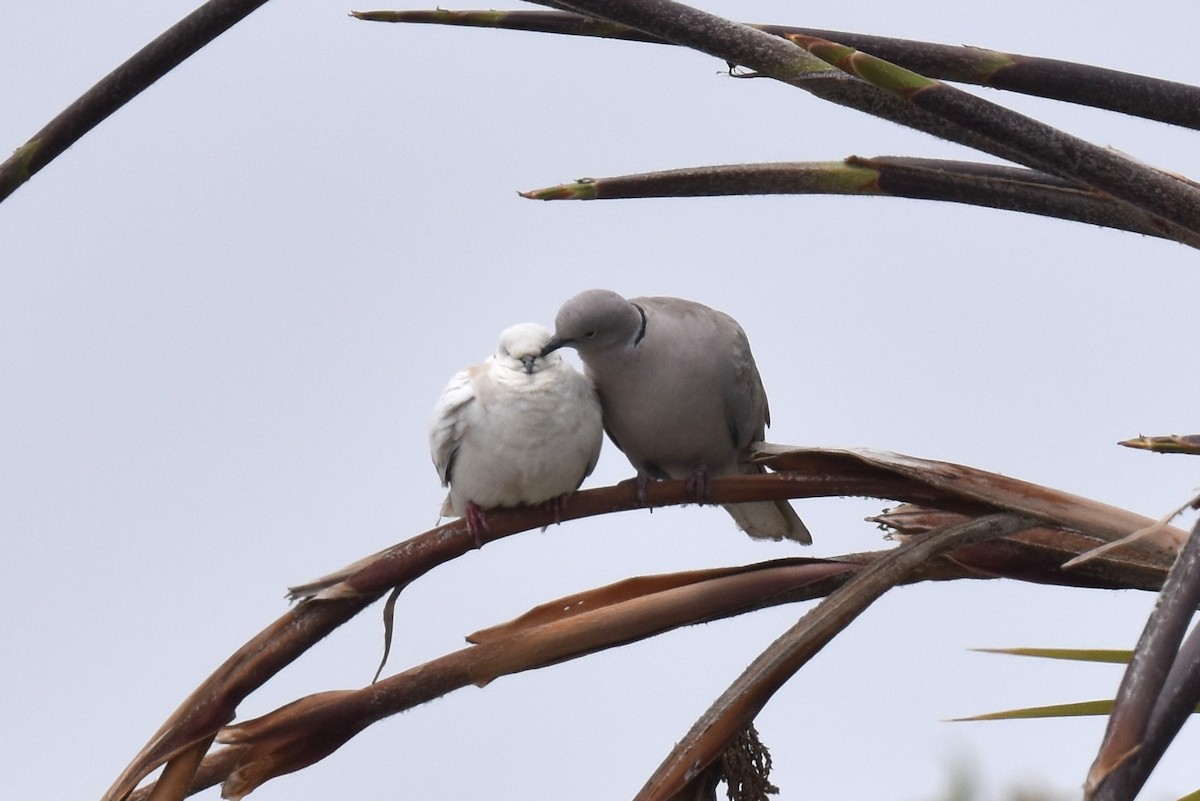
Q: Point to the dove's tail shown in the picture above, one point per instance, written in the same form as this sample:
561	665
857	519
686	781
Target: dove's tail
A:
770	520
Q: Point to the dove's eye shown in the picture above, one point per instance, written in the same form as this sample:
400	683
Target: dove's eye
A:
589	335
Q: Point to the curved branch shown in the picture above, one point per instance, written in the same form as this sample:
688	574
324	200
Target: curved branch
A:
1159	690
121	85
306	731
334	599
817	472
890	92
1137	95
991	186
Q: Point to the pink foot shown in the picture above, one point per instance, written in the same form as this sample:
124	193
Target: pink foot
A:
556	505
640	482
477	523
699	484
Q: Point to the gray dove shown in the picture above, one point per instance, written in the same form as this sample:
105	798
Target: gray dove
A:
680	393
521	428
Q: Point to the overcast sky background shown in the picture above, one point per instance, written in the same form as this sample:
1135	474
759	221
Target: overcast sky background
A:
226	313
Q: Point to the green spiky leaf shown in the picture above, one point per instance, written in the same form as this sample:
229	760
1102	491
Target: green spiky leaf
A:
1114	656
1102	707
1174	443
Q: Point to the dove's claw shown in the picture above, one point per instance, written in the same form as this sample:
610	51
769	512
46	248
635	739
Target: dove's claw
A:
477	523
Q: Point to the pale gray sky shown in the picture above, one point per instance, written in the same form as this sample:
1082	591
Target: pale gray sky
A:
226	314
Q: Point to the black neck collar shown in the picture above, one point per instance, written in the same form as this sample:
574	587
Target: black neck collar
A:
642	330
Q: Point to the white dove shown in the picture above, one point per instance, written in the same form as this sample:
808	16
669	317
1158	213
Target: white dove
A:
520	428
680	392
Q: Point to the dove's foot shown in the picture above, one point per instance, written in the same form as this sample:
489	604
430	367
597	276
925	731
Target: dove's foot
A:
698	485
640	481
557	506
477	523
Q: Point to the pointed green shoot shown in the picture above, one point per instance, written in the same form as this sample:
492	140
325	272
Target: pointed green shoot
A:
825	177
1114	656
1173	443
1081	708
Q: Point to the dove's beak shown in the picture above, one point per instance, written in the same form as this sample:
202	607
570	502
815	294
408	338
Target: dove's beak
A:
529	363
554	344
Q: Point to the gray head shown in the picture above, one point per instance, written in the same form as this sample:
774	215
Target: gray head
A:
521	346
596	321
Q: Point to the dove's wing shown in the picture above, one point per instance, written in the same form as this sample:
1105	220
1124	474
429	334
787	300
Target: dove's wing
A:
745	397
449	420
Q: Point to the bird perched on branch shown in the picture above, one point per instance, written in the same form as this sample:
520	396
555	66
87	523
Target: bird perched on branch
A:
680	392
523	427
